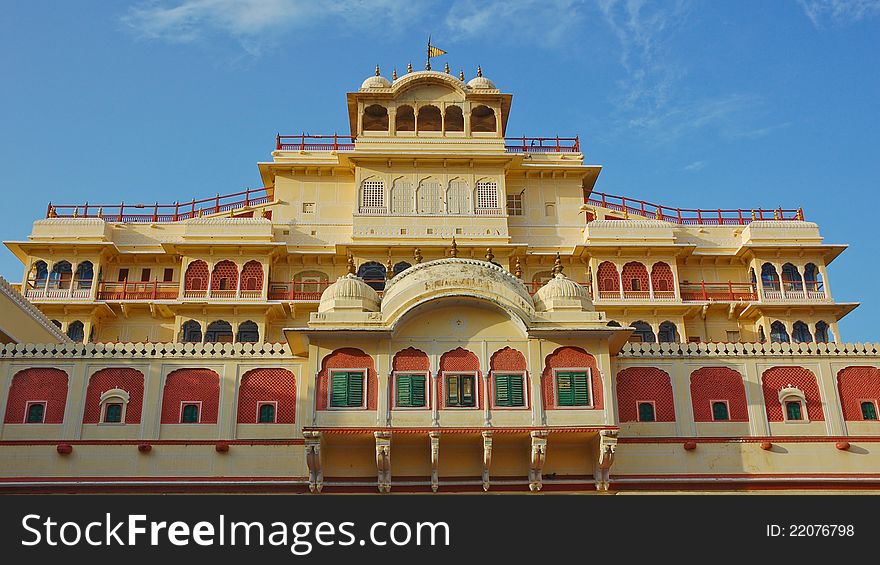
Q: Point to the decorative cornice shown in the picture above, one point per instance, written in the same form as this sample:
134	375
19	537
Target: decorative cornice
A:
70	221
630	223
217	351
28	308
790	224
228	221
508	276
677	350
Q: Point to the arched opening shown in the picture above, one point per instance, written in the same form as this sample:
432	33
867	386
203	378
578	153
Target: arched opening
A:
635	280
402	197
454	119
114	396
813	280
375	118
40	386
762	337
40	272
458	198
224	279
405	119
429	197
486	196
308	285
401	267
823	332
219	331
643	332
84	275
372	195
769	278
373	274
191	396
482	119
609	282
191	332
778	333
76	331
251	279
801	333
614	324
61	275
267	396
430	119
195	281
792	278
662	280
668	333
248	332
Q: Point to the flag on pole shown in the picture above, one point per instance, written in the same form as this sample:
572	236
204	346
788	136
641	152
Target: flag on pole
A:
435	51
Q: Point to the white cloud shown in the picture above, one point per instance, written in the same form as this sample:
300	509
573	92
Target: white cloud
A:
548	22
839	12
695	166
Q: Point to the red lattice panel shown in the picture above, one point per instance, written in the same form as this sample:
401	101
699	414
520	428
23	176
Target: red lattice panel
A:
37	384
124	378
507	359
570	358
718	383
191	385
857	384
608	278
639	384
411	359
196	277
267	385
661	277
460	360
252	276
224	270
778	378
635	270
347	358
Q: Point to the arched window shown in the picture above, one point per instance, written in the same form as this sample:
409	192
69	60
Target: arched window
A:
823	333
76	331
646	412
869	410
372	194
454	119
308	285
266	413
405	119
269	386
668	333
720	411
252	279
191	332
373	274
40	271
762	337
813	278
486	195
196	277
643	332
792	278
112	405
114	396
375	118
219	331
801	333
189	413
429	197
61	275
635	280
458	198
39	386
482	119
778	333
84	275
609	282
662	280
794	404
224	279
401	267
614	324
402	197
429	118
769	277
36	413
248	332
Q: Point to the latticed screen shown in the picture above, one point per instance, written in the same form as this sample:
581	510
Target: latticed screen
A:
347	389
487	195
430	198
572	388
515	204
457	201
509	390
410	391
373	194
402	201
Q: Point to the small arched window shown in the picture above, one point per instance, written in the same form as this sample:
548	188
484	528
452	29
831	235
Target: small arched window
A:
769	277
778	333
454	120
248	332
191	332
794	404
61	275
113	405
646	412
429	118
643	332
483	119
76	331
720	411
429	197
792	278
219	331
189	413
823	333
405	119
41	271
375	118
373	274
36	413
372	194
402	197
812	278
487	195
801	333
84	275
266	413
457	198
869	410
668	333
401	267
614	324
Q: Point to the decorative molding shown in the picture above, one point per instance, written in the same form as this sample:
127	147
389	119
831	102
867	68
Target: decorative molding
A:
383	460
487	458
607	449
28	308
313	460
654	350
435	460
538	456
93	351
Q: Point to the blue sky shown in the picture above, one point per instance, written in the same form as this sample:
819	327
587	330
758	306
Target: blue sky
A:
694	104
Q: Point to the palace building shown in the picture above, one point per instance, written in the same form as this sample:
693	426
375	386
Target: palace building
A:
429	304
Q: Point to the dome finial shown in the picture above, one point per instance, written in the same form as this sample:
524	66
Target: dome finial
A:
461	75
454	251
447	68
517	269
394	75
351	269
377	70
489	255
409	67
389	267
479	71
417	255
557	265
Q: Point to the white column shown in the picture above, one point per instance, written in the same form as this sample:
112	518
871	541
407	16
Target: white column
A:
781	280
619	279
650	282
238	283
265	290
824	272
210	279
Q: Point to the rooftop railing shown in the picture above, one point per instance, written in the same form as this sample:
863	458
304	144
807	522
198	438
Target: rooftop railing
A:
690	216
162	213
305	142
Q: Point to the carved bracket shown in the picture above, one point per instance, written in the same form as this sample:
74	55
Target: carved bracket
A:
539	453
487	458
435	460
313	460
607	449
383	460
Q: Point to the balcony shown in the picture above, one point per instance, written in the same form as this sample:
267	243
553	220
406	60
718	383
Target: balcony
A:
718	292
794	291
58	290
334	142
125	291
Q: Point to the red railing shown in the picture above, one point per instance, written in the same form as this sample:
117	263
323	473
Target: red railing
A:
305	142
138	290
690	216
729	291
542	144
160	213
297	290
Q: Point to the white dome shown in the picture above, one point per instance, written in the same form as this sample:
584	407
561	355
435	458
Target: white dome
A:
562	293
481	83
349	293
376	81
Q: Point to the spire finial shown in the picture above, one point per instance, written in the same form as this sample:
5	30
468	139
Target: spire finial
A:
351	269
754	216
394	75
76	212
428	65
461	75
377	70
517	269
454	251
389	267
557	265
101	212
800	214
447	68
417	255
479	71
52	212
409	67
489	255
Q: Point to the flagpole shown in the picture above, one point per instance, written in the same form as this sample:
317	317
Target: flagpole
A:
428	63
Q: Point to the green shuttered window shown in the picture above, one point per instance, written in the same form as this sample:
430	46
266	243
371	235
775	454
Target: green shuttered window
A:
509	390
410	391
347	389
572	388
461	391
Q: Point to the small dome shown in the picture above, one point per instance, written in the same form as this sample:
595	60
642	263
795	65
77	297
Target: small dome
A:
349	293
376	81
562	293
481	83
